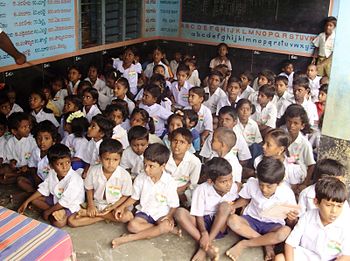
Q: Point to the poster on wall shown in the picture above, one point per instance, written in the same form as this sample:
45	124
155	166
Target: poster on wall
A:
38	28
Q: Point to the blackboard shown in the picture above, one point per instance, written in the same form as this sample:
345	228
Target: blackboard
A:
303	16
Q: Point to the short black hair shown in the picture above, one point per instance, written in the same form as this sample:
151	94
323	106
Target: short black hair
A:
270	170
15	119
75	67
106	125
282	78
327	168
229	110
183	68
302	81
248	74
116	107
3	120
154	90
270	75
74	99
234	79
157	152
4	99
58	151
331	189
226	136
323	88
216	167
199	91
216	73
268	90
176	116
93	92
330	19
121	103
79	126
293	111
46	126
138	133
110	146
191	115
186	133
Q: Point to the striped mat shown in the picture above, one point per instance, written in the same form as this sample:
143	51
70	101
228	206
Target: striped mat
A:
23	238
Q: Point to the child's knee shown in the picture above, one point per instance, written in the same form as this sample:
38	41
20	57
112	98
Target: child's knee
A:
133	226
72	221
233	221
180	213
283	233
165	227
224	209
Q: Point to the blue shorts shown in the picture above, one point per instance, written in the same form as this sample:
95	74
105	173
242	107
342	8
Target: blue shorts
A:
49	201
146	217
208	221
79	164
261	227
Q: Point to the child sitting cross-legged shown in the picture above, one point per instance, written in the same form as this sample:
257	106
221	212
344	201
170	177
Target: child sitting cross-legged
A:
257	195
156	192
107	187
62	192
210	208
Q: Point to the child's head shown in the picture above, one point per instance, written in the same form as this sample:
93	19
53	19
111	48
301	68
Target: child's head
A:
74	74
37	100
311	71
287	67
72	103
331	195
322	95
110	152
11	94
151	94
266	93
82	86
158	55
224	139
191	63
266	77
159	80
45	135
281	85
219	173
57	84
3	125
246	79
138	139
77	124
222	49
191	118
245	109
19	124
129	54
90	97
214	80
215	121
227	117
296	120
301	88
93	72
233	88
177	56
111	78
47	90
180	141
100	128
59	157
116	113
223	69
329	24
155	158
328	168
175	121
159	69
182	73
276	143
270	173
5	105
140	117
196	96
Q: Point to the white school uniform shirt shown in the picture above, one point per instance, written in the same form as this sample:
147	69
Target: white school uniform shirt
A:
15	108
258	203
205	119
76	145
180	95
42	116
119	184
121	135
301	152
131	73
245	94
73	89
130	160
19	150
217	61
266	116
188	171
312	240
166	103
159	115
3	142
156	199
236	166
250	131
41	164
68	192
194	79
149	70
314	87
225	102
131	104
94	110
325	46
283	102
91	153
58	100
205	199
311	111
213	100
290	79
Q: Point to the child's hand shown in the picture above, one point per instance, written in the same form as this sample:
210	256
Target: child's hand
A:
204	241
118	213
292	215
91	211
46	214
23	207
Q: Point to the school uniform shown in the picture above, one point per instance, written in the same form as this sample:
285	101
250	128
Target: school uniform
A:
76	145
167	143
213	100
253	98
131	73
3	142
91	153
265	116
225	102
283	102
194	79
311	111
156	199
166	103
41	164
121	135
19	150
73	88
131	104
250	131
42	116
58	100
312	240
15	108
245	94
68	192
173	66
130	160
159	115
180	94
325	50
108	191
217	61
300	151
94	110
314	87
290	80
149	70
258	203
205	119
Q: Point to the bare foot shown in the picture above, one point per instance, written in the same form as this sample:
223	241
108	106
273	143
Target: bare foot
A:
235	251
176	231
119	240
81	213
59	214
200	255
213	253
269	253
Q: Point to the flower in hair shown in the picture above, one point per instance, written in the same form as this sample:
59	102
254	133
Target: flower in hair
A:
75	115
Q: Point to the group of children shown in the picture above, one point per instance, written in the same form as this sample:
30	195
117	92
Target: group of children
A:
201	159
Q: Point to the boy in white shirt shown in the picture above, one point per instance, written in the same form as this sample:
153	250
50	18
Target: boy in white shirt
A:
107	187
283	97
210	208
118	114
288	71
183	165
214	92
62	192
322	234
156	192
158	55
314	81
179	89
257	195
132	158
246	78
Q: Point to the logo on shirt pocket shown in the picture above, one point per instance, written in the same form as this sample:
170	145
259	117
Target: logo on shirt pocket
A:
334	247
115	191
27	155
161	198
60	192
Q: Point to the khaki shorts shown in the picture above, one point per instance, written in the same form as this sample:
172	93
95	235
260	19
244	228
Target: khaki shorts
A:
324	66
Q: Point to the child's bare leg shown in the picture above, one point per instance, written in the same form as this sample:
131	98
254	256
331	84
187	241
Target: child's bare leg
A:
151	231
220	221
77	221
25	184
58	223
280	257
40	203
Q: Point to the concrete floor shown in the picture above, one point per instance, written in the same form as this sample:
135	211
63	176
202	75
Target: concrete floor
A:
94	242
